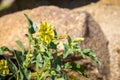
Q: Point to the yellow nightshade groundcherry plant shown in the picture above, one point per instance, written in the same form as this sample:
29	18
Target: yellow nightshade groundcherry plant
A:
43	60
46	32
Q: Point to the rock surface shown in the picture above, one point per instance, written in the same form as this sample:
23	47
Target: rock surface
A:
111	2
108	16
78	24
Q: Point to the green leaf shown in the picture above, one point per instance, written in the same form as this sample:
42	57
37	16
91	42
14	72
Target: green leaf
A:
20	58
82	54
55	33
1	51
53	77
48	54
64	75
29	36
77	50
4	48
13	68
21	46
60	79
25	74
56	64
91	54
69	40
53	45
32	26
39	59
44	75
75	67
67	50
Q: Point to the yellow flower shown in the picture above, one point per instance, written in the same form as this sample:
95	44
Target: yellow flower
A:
46	32
4	67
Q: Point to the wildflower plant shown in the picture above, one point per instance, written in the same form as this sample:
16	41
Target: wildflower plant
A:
43	60
3	67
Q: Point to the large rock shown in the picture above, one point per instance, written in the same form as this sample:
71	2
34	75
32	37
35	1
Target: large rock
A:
78	24
103	14
112	2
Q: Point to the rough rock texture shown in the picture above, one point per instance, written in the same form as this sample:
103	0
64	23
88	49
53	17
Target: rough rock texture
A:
14	26
108	16
113	2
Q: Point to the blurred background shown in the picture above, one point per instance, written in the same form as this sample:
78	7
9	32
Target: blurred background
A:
9	6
